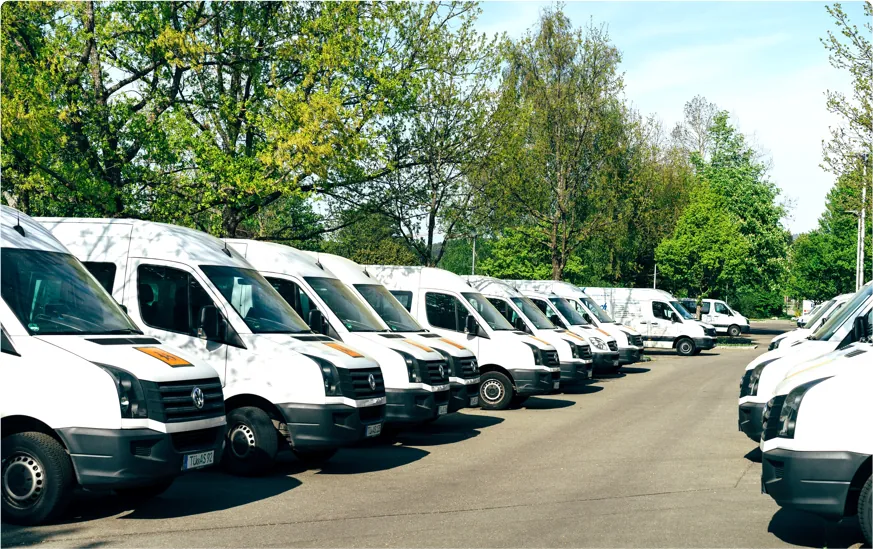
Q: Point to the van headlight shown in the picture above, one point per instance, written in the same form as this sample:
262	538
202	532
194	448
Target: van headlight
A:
756	376
330	376
575	350
791	407
538	356
411	366
599	343
131	397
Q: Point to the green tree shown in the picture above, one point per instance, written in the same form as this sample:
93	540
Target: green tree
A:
371	238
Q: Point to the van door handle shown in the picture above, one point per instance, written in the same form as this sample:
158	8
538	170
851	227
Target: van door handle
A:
644	321
655	323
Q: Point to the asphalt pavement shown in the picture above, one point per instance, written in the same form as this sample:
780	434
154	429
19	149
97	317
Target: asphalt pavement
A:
649	458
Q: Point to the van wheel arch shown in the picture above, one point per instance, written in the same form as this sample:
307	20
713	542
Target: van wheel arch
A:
857	484
495	368
684	346
11	425
255	401
734	330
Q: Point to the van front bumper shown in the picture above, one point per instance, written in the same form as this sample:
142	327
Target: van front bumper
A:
745	329
815	482
629	355
704	343
575	372
751	420
322	426
128	458
535	382
463	396
608	361
410	406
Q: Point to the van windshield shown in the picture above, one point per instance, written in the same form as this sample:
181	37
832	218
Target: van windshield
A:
596	310
848	312
683	312
825	307
568	312
488	311
255	300
51	293
354	315
388	308
533	313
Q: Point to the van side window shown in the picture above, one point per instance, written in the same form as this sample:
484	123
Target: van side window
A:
170	299
445	311
721	309
704	308
504	308
661	310
103	272
549	311
291	293
404	297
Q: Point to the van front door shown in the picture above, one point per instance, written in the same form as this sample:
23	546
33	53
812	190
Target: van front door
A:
660	326
722	316
169	304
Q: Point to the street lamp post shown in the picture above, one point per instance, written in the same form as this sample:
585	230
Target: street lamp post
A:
473	269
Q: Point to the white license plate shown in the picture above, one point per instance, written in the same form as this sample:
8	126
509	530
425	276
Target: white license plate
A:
374	430
443	410
615	363
556	384
474	401
196	461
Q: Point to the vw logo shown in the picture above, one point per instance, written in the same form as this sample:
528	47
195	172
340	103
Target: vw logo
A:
442	371
197	397
372	380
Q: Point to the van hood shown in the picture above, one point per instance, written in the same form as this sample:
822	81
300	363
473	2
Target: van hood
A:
402	343
337	353
785	349
833	363
143	356
534	340
430	339
587	332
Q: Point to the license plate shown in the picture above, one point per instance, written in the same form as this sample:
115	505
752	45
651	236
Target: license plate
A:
374	430
196	461
615	363
474	401
443	410
556	384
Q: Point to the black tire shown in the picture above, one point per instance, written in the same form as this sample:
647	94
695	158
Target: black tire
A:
495	391
37	478
144	493
252	442
865	510
685	347
697	351
315	459
734	330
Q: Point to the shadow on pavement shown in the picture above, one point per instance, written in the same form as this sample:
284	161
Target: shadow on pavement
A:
634	370
447	430
352	461
23	535
804	529
754	455
539	403
581	389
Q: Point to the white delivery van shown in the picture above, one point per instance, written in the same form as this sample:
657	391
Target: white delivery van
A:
629	341
285	387
719	314
513	365
463	368
604	348
416	376
574	353
663	321
825	311
766	371
817	447
809	309
86	399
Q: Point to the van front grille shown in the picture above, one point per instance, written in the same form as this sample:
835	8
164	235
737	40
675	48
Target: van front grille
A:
613	346
551	359
467	371
771	417
174	401
355	383
636	340
430	372
189	441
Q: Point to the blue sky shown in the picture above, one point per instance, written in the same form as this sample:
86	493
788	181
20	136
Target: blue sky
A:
761	61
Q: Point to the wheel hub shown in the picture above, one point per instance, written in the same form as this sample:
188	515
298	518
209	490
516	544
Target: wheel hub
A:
492	390
242	440
23	479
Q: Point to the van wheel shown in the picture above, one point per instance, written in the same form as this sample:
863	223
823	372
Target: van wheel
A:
734	331
252	442
37	477
685	347
495	391
865	510
315	459
145	493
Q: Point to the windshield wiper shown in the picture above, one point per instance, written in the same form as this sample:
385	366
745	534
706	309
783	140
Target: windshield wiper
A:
122	331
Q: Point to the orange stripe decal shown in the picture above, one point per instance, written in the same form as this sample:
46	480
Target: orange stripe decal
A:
577	336
167	358
453	344
540	340
345	350
424	348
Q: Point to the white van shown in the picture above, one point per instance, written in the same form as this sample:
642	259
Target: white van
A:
629	341
766	371
817	444
825	311
416	376
513	364
663	321
285	387
463	368
574	353
808	311
719	314
86	399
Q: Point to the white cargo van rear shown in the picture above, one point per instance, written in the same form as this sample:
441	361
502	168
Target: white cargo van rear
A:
286	388
86	398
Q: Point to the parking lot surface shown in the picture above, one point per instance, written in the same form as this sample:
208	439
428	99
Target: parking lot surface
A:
651	458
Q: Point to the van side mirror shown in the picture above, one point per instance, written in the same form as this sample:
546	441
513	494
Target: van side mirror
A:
554	319
123	308
859	328
519	324
471	326
317	322
212	324
587	318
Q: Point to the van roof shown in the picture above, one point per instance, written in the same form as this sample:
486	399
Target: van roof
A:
646	293
279	258
345	269
399	277
556	287
147	239
492	286
35	237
